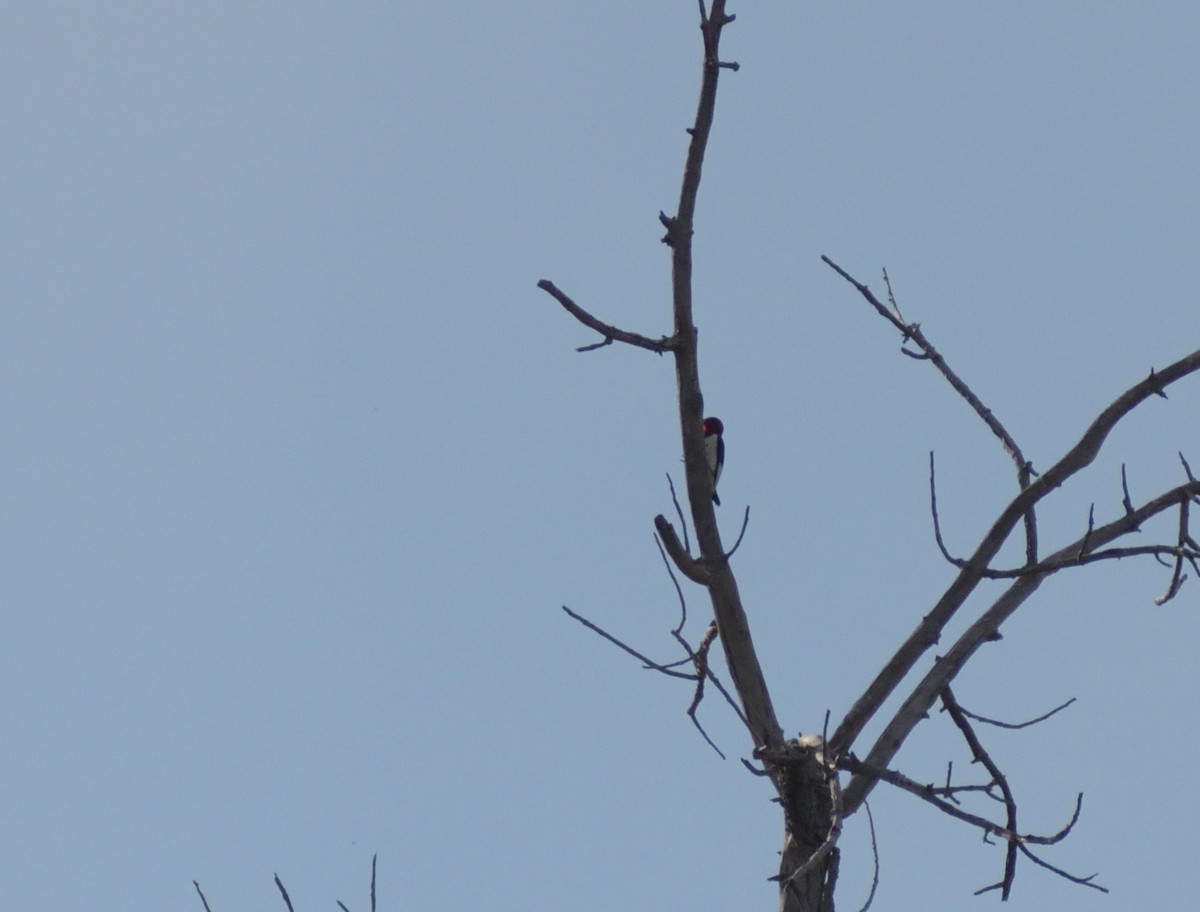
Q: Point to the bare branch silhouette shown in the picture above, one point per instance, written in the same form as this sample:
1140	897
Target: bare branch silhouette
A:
202	899
985	629
874	856
646	663
687	547
1015	725
928	631
610	333
912	332
998	779
284	893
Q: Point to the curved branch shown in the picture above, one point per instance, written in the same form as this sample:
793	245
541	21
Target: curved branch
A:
937	523
742	534
678	589
688	565
1015	725
929	793
610	333
1185	547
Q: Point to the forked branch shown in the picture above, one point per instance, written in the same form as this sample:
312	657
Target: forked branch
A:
609	332
912	333
999	780
985	629
929	630
1183	549
928	793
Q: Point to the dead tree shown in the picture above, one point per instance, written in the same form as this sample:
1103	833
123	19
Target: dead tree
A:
806	772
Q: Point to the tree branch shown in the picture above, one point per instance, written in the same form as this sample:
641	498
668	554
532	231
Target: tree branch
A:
196	884
1016	725
700	661
675	582
929	629
1177	575
912	332
928	794
646	663
283	891
980	754
610	332
1082	881
986	629
679	512
693	569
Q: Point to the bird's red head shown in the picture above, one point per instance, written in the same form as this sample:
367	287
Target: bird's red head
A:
713	426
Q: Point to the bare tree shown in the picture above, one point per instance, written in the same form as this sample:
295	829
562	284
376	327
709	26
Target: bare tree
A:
806	772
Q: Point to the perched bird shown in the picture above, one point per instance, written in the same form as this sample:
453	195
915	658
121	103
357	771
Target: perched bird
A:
714	449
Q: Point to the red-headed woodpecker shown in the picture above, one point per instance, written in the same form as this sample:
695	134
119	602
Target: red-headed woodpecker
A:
714	449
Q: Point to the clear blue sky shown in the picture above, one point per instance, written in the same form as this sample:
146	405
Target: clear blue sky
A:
299	465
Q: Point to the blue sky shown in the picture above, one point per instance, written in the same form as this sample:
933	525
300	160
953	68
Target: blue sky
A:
300	465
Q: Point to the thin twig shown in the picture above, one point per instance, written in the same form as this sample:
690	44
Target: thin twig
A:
951	792
1015	725
196	884
1177	575
1053	566
1082	881
287	899
887	283
679	512
737	544
1126	501
1087	536
700	659
874	855
668	669
937	525
1186	468
647	663
678	589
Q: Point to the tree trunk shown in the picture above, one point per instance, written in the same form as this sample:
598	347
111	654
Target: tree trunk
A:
809	860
